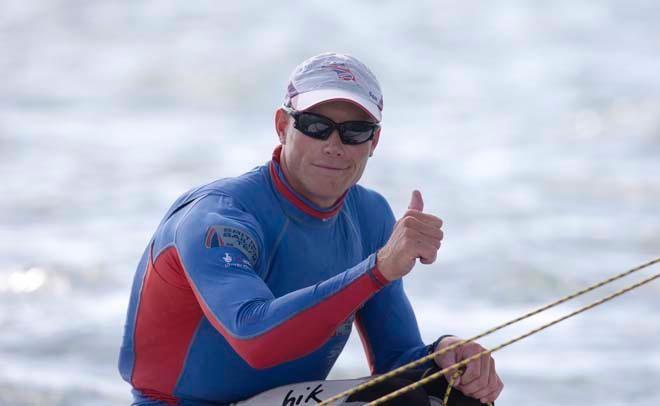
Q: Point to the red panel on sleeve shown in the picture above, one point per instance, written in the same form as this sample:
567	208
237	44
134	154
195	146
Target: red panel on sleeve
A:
167	316
301	334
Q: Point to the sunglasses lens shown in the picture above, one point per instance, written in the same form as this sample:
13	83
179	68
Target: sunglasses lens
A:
319	127
314	126
355	132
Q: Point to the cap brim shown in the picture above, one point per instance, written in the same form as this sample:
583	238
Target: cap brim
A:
310	99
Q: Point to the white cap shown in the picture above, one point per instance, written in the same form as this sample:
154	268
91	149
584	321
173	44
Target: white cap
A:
332	76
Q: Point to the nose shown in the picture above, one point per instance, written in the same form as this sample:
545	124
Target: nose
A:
333	145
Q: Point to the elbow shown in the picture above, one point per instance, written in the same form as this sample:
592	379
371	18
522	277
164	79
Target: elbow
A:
256	356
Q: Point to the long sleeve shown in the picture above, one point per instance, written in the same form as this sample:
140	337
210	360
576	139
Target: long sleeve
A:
219	248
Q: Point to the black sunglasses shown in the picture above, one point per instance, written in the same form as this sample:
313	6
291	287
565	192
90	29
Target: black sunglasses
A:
320	127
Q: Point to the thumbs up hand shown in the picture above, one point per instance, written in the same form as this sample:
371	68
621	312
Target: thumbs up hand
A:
415	235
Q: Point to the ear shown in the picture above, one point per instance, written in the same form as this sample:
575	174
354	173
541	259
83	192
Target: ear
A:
374	142
281	124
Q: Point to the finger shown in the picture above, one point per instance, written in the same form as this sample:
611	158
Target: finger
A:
446	360
420	245
424	228
431	237
498	391
414	239
428	252
492	396
498	386
416	201
471	378
428	259
455	375
490	385
425	218
424	250
474	386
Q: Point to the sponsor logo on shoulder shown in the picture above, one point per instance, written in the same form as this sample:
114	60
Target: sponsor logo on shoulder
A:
237	261
226	236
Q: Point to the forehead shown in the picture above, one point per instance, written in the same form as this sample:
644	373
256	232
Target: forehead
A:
340	110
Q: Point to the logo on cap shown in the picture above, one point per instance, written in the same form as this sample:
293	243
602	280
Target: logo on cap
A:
342	72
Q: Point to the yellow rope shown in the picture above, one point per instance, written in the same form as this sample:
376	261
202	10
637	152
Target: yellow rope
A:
450	386
466	361
452	381
397	371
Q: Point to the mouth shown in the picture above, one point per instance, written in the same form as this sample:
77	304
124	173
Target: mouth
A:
330	167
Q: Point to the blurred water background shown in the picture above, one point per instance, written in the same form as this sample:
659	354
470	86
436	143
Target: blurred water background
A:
532	128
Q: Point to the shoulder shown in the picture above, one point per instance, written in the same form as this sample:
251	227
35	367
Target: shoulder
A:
217	207
227	196
241	187
211	215
223	207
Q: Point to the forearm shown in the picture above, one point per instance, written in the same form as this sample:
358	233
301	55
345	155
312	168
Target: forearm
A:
296	323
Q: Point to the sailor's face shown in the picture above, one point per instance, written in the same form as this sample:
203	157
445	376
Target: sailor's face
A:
322	170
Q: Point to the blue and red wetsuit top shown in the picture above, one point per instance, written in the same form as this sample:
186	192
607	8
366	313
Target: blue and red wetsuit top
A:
246	286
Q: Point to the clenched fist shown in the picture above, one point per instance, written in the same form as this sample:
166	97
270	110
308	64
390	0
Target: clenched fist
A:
415	235
480	379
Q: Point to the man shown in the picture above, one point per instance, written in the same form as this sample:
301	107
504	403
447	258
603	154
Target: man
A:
252	283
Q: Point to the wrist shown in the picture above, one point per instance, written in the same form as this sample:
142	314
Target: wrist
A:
382	267
435	346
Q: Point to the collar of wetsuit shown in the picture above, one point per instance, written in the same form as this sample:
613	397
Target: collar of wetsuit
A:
296	199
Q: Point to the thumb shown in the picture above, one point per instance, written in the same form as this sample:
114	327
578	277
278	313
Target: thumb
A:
416	201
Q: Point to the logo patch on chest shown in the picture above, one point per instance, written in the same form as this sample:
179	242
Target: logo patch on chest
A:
225	236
